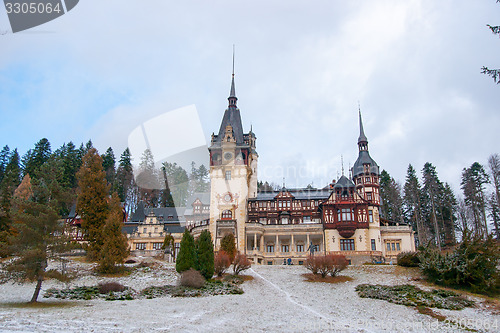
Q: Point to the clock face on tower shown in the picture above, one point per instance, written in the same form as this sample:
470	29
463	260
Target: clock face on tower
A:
228	197
228	156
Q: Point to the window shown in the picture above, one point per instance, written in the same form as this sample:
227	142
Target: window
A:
367	179
145	230
344	214
263	220
280	204
369	196
228	175
227	214
156	229
284	220
347	245
157	246
140	246
300	248
316	247
307	219
177	247
370	216
394	246
374	247
270	248
284	248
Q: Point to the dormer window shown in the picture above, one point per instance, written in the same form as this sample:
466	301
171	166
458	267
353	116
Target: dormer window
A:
227	214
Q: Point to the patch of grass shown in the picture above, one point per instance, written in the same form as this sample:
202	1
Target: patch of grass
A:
88	293
413	296
429	312
310	277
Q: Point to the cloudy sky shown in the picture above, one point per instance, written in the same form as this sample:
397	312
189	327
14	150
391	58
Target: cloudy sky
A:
107	67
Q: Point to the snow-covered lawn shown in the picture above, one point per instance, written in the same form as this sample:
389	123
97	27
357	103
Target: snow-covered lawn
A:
277	300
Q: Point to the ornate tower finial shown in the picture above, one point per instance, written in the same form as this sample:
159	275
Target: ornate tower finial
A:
342	161
232	95
362	140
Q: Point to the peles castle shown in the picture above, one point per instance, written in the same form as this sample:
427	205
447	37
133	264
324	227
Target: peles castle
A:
273	227
287	225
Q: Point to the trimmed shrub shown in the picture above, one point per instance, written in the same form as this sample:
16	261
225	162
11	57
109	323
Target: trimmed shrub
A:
313	264
192	278
472	265
107	287
228	245
240	263
222	263
338	263
205	255
186	258
408	259
327	264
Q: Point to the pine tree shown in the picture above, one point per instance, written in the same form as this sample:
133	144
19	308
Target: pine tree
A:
115	246
125	184
92	201
186	258
494	203
38	232
35	158
108	164
4	159
448	205
228	245
148	180
392	202
473	184
494	73
205	255
71	160
10	181
413	202
433	191
176	188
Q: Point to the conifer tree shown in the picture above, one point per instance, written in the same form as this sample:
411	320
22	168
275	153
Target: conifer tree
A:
433	190
108	164
115	246
228	245
494	202
38	232
148	180
205	255
186	258
176	185
71	160
92	201
473	184
4	159
124	183
413	202
35	158
10	181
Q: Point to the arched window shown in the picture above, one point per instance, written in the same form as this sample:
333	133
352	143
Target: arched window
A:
227	215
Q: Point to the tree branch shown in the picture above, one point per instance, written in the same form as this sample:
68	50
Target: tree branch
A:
494	73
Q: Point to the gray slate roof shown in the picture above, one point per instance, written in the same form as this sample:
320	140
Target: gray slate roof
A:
364	158
298	193
344	182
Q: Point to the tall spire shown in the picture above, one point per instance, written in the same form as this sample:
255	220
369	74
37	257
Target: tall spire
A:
232	95
362	140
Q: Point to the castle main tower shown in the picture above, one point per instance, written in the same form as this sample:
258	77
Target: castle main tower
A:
233	175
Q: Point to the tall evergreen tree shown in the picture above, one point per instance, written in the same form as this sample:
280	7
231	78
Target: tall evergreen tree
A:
176	181
38	232
148	180
448	204
473	184
205	255
4	160
392	201
92	203
199	180
494	202
125	183
433	191
71	159
413	202
10	181
186	258
115	246
36	157
108	164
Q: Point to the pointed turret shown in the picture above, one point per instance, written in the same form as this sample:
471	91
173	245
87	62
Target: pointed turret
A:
362	140
364	163
232	95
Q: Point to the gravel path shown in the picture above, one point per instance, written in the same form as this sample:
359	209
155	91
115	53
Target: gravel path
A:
277	300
